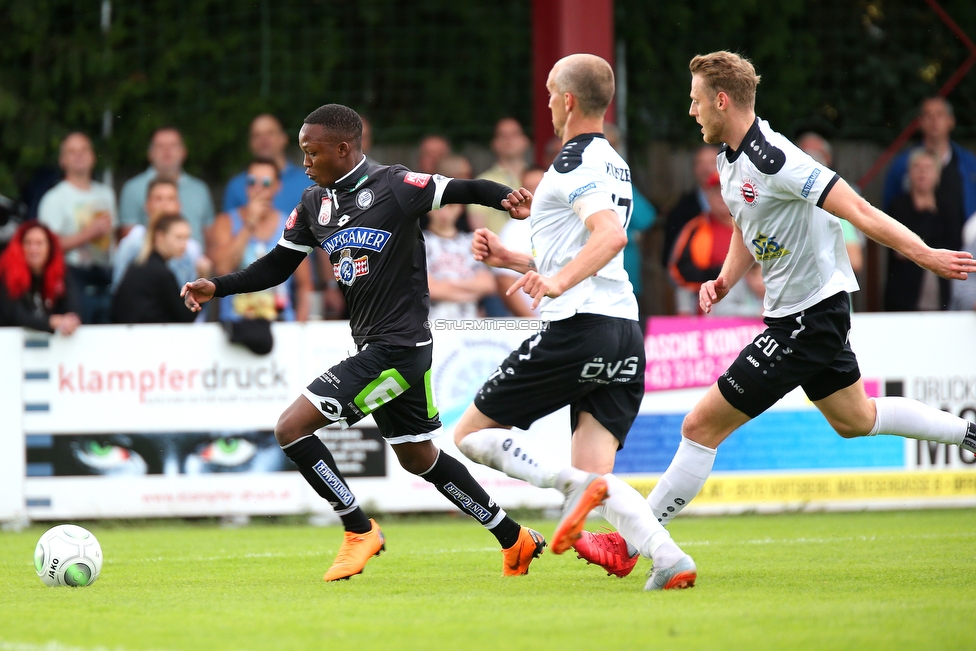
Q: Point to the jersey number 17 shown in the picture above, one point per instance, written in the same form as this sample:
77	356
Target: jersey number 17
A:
627	205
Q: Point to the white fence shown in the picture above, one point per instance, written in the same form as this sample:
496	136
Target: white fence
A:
143	421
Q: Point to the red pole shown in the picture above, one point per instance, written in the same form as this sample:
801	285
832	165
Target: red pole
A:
560	28
947	88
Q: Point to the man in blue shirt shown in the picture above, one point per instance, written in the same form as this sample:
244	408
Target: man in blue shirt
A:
956	193
268	140
166	155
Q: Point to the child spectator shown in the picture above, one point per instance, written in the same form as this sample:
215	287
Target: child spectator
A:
517	236
457	282
35	291
698	254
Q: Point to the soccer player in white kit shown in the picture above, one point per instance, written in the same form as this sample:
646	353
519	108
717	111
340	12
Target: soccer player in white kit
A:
785	206
591	356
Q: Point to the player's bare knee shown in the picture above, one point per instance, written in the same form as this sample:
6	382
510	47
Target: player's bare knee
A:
470	421
459	433
286	430
698	429
852	428
416	458
414	466
855	422
846	430
694	427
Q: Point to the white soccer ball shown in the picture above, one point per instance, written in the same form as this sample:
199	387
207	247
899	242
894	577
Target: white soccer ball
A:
68	555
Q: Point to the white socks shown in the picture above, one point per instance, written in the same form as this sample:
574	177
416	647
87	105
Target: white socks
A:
916	420
682	481
692	463
627	511
505	450
630	514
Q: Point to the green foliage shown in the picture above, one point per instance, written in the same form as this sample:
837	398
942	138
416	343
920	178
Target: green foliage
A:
209	66
851	70
819	581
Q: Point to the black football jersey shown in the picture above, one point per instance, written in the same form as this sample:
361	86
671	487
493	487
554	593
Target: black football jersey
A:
367	223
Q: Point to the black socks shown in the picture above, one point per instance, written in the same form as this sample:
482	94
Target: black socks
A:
454	482
319	469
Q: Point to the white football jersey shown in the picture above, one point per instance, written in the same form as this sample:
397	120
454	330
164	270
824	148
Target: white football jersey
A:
587	176
774	191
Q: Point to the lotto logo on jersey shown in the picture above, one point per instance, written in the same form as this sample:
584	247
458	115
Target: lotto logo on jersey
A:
347	270
418	179
749	193
292	218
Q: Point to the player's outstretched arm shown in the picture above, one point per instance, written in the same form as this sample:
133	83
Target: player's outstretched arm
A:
197	292
488	193
518	203
488	248
843	202
267	271
607	239
738	261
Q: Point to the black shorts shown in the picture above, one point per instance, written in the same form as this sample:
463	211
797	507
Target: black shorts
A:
809	349
592	363
390	382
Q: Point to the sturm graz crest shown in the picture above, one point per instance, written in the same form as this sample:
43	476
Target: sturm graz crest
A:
347	269
364	199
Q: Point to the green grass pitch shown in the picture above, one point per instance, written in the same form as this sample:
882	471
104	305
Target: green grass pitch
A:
878	580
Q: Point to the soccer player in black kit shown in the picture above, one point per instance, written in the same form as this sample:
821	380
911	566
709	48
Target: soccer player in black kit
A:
365	216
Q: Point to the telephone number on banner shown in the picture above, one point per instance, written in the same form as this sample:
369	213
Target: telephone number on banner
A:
685	373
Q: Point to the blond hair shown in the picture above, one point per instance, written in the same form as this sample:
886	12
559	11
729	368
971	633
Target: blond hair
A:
589	79
161	224
728	73
921	152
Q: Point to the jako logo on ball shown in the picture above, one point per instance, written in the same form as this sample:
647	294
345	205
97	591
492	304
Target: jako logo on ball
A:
68	555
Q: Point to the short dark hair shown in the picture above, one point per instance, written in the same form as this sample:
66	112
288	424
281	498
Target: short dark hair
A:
261	160
937	98
165	127
75	133
339	120
160	180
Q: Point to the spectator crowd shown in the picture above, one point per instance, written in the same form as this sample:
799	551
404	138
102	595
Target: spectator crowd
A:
85	258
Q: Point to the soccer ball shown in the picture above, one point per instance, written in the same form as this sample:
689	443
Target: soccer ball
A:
68	555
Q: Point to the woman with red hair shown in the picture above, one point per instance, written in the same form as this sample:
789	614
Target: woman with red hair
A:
33	289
